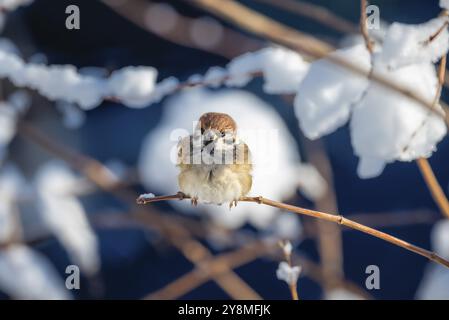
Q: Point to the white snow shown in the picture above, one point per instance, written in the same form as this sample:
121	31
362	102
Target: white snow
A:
440	238
287	273
444	4
214	76
286	226
384	123
283	69
274	152
136	87
27	274
241	67
408	44
325	96
133	85
147	196
65	214
163	88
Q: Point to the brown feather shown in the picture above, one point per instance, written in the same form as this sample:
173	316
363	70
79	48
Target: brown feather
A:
217	121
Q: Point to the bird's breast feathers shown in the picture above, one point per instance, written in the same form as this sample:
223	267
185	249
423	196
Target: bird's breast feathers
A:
215	183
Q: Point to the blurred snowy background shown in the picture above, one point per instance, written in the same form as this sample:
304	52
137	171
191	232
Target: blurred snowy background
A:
74	158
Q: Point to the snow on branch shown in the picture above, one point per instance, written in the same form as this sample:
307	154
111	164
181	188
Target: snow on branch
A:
286	271
136	86
382	122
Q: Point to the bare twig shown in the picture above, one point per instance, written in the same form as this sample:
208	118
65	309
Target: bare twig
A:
315	12
286	247
436	34
231	44
329	235
364	26
423	164
432	183
327	217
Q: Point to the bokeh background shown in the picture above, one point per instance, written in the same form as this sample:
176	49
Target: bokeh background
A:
135	260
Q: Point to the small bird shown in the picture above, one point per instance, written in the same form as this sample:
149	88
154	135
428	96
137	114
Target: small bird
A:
215	166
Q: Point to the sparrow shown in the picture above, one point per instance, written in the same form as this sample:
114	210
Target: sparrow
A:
215	166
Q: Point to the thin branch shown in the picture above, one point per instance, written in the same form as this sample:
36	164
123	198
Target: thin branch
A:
315	12
288	258
364	26
329	235
436	34
327	217
423	164
231	44
432	183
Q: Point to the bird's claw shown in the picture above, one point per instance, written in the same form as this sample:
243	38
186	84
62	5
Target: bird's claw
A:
194	201
232	204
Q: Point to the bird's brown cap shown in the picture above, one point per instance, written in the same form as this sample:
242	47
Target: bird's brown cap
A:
217	121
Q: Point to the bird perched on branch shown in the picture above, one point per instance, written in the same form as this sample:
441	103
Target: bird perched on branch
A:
215	166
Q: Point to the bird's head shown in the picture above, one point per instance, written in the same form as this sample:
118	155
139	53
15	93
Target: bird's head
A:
217	131
215	125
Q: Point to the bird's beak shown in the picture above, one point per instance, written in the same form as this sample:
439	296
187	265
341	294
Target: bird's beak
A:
210	137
